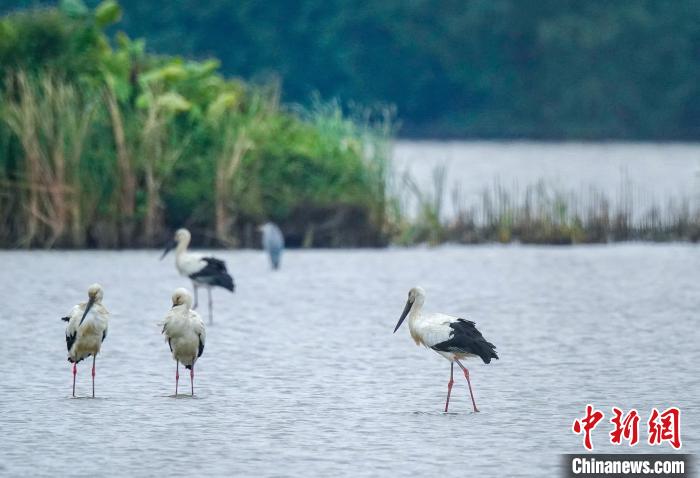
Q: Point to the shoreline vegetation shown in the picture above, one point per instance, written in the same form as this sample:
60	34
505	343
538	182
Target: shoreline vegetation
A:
540	214
104	145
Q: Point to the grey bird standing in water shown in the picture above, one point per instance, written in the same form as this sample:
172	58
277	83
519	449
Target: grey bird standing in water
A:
272	242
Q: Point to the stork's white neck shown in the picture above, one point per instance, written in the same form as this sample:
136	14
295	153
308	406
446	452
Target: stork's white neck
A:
413	318
415	313
182	246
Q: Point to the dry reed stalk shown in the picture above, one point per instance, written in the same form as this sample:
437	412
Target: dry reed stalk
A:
158	157
228	163
51	122
126	170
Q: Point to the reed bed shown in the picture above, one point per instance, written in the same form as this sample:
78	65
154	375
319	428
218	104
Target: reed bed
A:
542	214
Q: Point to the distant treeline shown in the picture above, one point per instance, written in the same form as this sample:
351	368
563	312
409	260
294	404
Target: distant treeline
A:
105	145
588	69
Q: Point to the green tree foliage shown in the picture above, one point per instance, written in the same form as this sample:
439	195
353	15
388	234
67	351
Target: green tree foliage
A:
489	68
105	144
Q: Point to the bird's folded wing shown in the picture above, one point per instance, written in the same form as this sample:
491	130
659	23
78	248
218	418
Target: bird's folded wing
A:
165	323
199	326
436	329
213	266
72	326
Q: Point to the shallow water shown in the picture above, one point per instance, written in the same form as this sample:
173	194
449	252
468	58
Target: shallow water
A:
301	375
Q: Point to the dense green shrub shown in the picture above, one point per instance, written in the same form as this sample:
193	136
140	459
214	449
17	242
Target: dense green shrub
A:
106	145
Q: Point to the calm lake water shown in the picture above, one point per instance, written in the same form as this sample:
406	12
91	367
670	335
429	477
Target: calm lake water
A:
645	172
302	376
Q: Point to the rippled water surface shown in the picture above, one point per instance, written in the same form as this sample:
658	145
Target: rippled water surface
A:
301	375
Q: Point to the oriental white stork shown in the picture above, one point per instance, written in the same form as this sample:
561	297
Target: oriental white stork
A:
86	330
184	331
203	271
449	336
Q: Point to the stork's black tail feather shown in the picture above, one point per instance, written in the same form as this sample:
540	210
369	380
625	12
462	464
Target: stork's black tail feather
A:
466	338
214	273
226	281
65	319
487	352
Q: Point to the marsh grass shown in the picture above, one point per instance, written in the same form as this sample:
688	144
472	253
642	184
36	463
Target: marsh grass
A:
357	181
50	121
544	214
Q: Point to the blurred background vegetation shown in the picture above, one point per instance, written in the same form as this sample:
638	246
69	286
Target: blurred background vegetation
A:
103	144
468	68
110	140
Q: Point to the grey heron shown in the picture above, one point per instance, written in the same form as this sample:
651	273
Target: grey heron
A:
272	242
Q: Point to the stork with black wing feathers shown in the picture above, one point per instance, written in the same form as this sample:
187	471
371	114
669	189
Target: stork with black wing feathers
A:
203	271
454	338
86	330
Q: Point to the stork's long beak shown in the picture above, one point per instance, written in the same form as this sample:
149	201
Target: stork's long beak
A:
405	312
168	247
87	309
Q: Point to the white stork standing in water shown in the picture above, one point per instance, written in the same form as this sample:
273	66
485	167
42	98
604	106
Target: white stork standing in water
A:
86	330
451	337
184	331
203	271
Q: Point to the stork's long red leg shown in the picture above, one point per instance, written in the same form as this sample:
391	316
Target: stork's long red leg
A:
192	378
466	375
449	386
75	371
94	357
177	375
